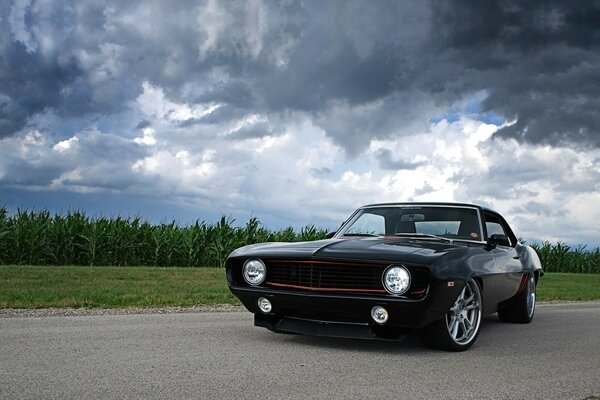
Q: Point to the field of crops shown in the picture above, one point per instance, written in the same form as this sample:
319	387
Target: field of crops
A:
39	238
560	257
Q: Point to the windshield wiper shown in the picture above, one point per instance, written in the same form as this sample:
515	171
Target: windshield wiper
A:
361	234
424	235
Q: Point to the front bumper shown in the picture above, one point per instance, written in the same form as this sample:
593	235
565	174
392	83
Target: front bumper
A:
335	315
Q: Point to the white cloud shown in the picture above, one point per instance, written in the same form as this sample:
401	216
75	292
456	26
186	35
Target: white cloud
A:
301	111
299	174
148	137
65	145
153	103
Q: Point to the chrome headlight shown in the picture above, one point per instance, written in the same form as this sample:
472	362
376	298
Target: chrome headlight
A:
396	279
254	271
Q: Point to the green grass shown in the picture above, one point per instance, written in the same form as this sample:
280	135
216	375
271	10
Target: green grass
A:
113	287
563	286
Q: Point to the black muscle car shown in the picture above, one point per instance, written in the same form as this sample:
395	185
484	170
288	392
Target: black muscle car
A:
391	268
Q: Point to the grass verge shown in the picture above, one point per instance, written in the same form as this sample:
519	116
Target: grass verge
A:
116	287
569	287
112	287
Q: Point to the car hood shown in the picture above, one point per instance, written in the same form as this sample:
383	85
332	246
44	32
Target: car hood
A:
385	249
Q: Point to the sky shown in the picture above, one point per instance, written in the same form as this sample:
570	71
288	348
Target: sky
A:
298	112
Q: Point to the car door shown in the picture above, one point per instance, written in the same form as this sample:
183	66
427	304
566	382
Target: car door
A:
509	268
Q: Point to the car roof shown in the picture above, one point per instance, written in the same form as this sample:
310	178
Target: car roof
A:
429	203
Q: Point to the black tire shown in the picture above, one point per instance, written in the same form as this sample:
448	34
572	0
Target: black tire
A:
521	307
459	328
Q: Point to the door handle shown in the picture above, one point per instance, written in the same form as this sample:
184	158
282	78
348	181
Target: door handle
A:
517	257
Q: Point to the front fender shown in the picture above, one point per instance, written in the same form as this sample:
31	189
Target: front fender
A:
530	260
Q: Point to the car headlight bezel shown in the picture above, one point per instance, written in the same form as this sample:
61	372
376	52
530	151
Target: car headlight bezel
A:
396	279
254	271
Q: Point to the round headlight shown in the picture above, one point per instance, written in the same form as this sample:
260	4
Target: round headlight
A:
396	279
254	272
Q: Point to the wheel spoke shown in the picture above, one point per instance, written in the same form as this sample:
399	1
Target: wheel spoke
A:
461	296
469	323
454	331
464	330
452	324
470	299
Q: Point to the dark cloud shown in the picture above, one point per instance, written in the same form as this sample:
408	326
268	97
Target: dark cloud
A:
91	159
536	61
29	85
538	209
321	171
143	124
387	160
426	189
26	173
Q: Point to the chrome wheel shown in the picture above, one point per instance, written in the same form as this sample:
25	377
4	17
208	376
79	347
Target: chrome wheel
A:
464	316
458	329
530	296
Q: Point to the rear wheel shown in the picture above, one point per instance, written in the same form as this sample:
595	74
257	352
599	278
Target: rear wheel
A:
521	307
458	330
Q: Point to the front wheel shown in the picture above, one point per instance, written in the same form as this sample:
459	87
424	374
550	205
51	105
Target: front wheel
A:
521	307
459	328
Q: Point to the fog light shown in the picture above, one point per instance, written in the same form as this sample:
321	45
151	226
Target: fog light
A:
379	314
265	305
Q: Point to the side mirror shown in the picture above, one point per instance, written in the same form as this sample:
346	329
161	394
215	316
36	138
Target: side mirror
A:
498	239
329	235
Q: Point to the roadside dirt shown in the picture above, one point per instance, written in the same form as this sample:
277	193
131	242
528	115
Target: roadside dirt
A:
66	312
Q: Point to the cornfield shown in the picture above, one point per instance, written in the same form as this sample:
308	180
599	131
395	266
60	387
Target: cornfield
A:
561	257
39	238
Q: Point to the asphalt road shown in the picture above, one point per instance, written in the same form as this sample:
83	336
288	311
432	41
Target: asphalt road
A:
222	356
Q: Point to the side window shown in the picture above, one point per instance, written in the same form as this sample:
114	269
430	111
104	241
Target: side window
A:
369	223
494	226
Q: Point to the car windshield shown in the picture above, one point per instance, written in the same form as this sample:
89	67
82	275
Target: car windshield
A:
450	222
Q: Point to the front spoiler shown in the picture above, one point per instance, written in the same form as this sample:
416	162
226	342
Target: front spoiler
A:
329	329
335	315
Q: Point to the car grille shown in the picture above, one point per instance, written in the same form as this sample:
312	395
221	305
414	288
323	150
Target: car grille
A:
338	277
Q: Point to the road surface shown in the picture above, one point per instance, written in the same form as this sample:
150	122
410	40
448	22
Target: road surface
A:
222	356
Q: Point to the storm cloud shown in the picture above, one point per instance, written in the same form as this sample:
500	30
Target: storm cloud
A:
536	62
215	100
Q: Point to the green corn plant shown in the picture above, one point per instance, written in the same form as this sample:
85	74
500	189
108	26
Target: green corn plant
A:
31	234
284	235
6	236
36	237
224	241
88	245
310	232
